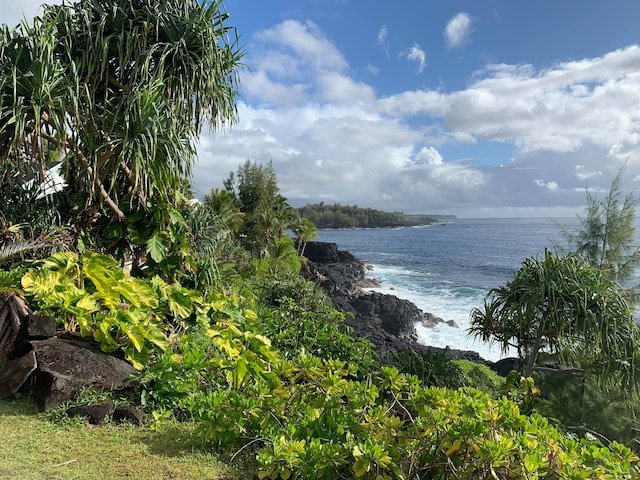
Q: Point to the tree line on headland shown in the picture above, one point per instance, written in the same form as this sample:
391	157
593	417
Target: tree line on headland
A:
351	216
207	301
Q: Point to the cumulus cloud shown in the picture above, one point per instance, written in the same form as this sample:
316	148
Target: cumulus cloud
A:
417	54
332	138
307	41
339	88
458	30
428	156
562	109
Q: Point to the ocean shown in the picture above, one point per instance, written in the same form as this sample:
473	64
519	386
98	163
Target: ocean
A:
447	269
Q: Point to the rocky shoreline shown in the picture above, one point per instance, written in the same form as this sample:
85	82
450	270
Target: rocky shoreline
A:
385	320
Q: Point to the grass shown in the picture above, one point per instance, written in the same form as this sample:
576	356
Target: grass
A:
34	447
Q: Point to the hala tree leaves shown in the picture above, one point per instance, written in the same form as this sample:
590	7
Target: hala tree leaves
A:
124	88
562	305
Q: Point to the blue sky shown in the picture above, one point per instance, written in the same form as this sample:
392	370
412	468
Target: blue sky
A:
475	108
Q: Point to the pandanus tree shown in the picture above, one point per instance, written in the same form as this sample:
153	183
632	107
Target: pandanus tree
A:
117	91
563	306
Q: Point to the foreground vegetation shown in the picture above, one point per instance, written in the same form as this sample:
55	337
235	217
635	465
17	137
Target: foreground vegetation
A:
235	351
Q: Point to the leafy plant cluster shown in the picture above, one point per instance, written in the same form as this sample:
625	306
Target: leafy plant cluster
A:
314	418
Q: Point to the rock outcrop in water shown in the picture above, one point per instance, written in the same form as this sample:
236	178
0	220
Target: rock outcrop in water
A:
385	320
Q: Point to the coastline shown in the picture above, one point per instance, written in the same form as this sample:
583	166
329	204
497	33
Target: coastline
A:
386	320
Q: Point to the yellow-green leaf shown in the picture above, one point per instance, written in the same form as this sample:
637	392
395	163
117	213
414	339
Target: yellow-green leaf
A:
454	448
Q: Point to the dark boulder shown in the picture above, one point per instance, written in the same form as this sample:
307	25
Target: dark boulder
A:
397	317
385	320
39	326
65	366
503	367
338	273
95	413
15	374
128	414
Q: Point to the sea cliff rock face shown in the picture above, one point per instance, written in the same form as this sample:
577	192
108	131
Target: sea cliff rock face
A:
385	320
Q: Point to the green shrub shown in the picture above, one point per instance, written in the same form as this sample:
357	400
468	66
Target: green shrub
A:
433	369
297	316
481	377
312	419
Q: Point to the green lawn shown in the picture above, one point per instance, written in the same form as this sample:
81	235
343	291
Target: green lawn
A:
33	447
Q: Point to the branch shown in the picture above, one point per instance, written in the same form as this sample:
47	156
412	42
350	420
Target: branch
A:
580	428
130	178
564	370
94	178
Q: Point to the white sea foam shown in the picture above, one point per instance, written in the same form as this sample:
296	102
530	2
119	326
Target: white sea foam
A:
444	301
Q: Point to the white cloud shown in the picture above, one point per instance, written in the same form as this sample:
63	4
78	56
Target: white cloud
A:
307	41
458	29
560	109
332	138
268	91
583	174
12	12
383	42
550	186
339	88
417	54
428	156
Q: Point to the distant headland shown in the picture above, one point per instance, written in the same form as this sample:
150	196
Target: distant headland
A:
351	216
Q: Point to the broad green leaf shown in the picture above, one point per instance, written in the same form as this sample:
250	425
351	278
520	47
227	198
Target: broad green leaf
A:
138	359
240	372
103	271
155	336
89	303
41	282
135	335
138	293
64	262
158	246
103	336
361	466
180	304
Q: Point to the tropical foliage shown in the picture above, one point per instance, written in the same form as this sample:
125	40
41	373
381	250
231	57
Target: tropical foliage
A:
564	306
116	93
352	216
266	215
206	301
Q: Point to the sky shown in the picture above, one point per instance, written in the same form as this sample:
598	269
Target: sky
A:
494	108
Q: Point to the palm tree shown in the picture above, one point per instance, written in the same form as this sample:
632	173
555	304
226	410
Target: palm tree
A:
223	204
305	231
121	90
